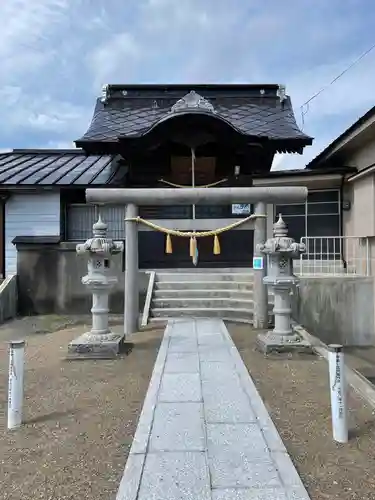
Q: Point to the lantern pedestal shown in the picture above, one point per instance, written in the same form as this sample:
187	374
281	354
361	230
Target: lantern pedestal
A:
96	346
272	343
99	342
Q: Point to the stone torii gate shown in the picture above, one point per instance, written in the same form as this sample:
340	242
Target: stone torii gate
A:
132	198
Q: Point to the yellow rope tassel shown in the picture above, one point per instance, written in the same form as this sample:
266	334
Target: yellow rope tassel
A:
217	249
168	244
193	246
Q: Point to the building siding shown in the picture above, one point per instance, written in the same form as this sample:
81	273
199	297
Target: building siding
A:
29	215
359	221
362	157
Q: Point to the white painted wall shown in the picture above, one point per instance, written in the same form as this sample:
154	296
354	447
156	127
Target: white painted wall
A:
29	215
363	156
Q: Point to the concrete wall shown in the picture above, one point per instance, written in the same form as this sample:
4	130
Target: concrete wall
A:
49	280
337	309
35	214
8	299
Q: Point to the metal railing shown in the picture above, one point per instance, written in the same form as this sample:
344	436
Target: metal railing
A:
335	255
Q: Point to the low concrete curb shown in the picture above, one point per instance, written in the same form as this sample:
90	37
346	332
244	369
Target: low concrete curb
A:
357	381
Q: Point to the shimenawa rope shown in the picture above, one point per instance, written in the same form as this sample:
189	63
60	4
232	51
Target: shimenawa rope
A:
193	235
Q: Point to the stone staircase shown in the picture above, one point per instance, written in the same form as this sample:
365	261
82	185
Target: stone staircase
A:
227	294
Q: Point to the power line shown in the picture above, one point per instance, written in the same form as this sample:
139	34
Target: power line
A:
305	106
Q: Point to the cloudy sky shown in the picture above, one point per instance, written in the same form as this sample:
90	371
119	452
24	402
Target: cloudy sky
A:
56	54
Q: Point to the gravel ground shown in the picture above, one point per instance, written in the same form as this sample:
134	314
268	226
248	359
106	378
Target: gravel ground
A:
48	323
80	418
296	393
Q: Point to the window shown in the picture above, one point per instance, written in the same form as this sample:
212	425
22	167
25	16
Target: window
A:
322	208
330	195
320	216
292	210
296	226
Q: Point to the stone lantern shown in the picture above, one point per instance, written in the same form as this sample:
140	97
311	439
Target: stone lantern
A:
281	250
100	342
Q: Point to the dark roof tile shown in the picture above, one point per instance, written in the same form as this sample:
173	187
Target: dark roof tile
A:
328	150
61	168
134	116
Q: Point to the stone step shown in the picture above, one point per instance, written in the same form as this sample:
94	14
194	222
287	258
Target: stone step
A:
205	276
203	285
203	270
199	303
191	291
204	312
232	319
202	293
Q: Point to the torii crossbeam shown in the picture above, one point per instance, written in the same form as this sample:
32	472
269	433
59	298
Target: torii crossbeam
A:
133	198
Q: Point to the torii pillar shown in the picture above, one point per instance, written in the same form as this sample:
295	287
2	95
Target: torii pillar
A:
132	198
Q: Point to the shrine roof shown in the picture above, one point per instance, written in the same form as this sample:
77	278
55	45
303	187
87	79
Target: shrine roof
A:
57	167
256	111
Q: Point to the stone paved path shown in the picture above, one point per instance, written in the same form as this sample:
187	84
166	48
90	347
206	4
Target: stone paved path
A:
204	432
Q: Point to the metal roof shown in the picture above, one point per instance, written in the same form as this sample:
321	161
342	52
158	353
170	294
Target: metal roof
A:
307	171
252	110
59	167
323	155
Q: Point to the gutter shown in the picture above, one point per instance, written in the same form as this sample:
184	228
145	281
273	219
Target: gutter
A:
344	263
366	171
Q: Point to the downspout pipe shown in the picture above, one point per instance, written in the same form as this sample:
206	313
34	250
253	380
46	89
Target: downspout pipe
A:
344	263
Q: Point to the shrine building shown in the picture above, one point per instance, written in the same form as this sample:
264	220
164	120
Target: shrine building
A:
155	136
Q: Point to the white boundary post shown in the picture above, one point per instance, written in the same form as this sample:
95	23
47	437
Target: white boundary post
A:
338	388
15	386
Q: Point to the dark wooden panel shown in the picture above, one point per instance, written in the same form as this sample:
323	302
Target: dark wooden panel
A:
236	251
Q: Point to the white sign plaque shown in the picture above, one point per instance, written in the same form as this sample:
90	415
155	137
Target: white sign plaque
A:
241	209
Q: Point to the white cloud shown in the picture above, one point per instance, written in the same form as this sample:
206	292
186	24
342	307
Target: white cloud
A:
350	93
59	145
56	54
27	47
112	61
25	28
42	114
334	110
